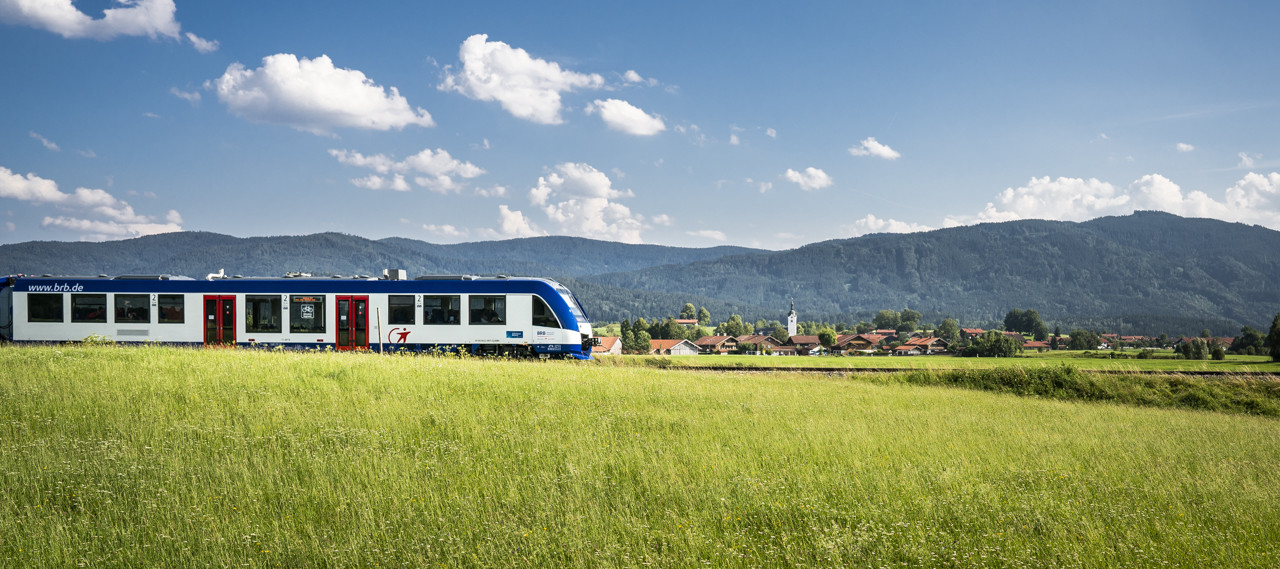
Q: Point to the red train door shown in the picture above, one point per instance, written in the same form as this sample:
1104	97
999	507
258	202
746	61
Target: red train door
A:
219	320
353	322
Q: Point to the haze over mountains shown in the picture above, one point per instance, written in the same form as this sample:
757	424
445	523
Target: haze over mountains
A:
1143	273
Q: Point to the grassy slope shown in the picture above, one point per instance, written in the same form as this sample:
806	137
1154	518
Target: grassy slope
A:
1083	360
163	457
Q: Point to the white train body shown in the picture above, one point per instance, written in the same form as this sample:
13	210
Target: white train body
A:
518	316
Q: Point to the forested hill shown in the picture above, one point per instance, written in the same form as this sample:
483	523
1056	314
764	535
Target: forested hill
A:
197	253
1138	273
1142	273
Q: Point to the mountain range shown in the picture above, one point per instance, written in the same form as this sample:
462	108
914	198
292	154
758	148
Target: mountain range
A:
1144	273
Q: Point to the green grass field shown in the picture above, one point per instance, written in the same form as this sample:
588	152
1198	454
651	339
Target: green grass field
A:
161	457
1095	360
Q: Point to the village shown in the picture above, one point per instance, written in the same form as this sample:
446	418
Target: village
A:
892	342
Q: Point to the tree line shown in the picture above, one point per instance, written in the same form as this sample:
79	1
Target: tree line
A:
635	335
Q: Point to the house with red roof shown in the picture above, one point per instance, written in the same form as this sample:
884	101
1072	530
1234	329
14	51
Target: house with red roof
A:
755	344
929	344
1016	336
673	348
608	346
716	344
806	345
858	343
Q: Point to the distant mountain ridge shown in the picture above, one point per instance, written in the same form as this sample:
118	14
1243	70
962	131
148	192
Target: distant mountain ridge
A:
1143	273
1134	271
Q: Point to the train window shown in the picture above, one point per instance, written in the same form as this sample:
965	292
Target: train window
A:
542	314
171	308
44	307
133	308
574	306
88	308
441	309
400	309
306	313
262	313
488	309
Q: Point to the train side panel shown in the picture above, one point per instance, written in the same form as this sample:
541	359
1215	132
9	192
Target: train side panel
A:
529	316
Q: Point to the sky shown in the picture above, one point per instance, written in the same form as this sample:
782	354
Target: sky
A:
676	123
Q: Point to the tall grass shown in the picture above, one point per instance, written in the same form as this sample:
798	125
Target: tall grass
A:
166	457
1086	361
1240	394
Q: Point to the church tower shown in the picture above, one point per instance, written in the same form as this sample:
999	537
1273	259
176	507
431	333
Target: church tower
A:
791	320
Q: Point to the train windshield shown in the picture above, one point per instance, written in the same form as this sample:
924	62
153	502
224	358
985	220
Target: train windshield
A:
574	306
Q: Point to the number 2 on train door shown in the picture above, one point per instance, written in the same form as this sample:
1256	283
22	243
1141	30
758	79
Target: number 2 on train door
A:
353	322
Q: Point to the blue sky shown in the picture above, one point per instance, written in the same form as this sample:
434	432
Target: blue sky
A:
692	124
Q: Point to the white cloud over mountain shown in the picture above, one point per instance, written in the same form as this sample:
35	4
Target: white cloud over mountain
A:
516	224
711	234
115	218
525	86
1255	199
872	224
435	170
312	95
579	200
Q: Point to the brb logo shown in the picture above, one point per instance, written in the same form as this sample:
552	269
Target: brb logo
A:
401	335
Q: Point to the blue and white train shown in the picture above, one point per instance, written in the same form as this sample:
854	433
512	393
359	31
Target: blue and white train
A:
482	315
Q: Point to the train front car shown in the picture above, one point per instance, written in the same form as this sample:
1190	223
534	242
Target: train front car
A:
573	328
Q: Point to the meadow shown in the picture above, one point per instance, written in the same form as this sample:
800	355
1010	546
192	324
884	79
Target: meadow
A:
152	456
1102	360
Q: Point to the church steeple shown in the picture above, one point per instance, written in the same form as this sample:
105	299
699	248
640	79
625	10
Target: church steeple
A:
791	319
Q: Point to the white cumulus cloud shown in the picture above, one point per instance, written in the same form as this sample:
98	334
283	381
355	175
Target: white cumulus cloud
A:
579	200
1066	199
1246	160
1254	199
811	179
516	224
872	224
114	218
435	170
625	117
1184	147
446	230
631	76
375	182
312	95
711	234
525	86
870	147
152	18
